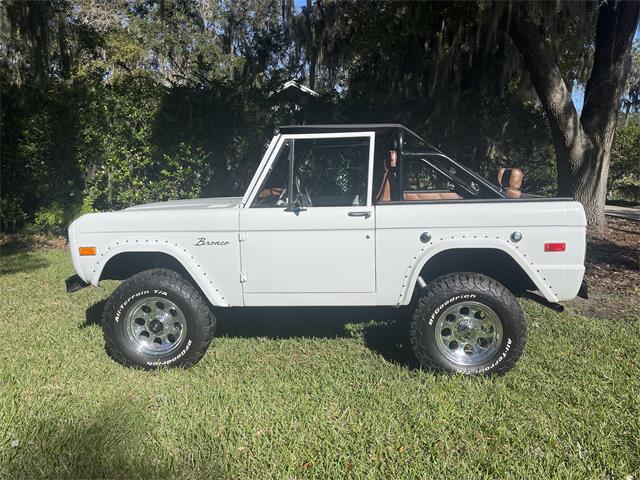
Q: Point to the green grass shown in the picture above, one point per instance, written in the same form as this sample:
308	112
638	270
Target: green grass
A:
304	394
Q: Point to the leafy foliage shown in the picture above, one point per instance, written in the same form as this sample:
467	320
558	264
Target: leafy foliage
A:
624	181
109	104
631	101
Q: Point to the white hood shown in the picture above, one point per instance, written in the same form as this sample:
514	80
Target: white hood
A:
190	204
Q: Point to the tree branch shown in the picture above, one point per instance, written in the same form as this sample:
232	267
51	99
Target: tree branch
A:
617	23
547	80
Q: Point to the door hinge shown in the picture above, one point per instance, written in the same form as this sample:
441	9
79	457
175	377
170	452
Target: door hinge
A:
242	236
243	277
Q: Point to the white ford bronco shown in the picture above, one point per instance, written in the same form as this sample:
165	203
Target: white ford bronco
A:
338	215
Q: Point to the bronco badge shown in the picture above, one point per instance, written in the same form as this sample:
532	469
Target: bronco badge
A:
202	241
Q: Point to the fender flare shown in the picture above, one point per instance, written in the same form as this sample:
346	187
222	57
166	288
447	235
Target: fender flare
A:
430	250
175	250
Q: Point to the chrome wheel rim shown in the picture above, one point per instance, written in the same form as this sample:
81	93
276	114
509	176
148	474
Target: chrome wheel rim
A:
155	326
468	333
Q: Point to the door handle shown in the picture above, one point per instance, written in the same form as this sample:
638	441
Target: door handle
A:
366	214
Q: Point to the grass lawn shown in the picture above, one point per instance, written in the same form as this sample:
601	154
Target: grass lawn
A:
324	393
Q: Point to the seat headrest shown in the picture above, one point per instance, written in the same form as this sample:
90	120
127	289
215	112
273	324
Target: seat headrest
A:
510	178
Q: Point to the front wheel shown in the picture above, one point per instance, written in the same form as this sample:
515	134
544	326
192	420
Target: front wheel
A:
468	323
157	319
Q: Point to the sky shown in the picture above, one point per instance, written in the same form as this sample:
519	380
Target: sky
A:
578	91
578	97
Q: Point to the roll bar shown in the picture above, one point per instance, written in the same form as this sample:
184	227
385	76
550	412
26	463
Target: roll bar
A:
399	144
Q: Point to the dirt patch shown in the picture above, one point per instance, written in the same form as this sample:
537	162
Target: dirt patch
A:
13	242
613	271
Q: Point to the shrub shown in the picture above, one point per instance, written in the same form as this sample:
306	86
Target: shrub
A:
49	220
11	214
624	176
626	188
55	219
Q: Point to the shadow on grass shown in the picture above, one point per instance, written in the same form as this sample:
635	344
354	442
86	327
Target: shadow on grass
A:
390	339
112	442
93	315
16	261
384	330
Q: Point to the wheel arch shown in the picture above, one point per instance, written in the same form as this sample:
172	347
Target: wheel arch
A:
499	261
126	264
121	264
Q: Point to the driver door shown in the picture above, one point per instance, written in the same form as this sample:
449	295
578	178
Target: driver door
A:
308	230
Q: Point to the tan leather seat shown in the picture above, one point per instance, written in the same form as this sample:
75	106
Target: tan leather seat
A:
391	175
384	194
510	179
416	196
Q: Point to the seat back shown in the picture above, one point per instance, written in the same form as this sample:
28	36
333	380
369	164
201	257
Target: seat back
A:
390	175
510	179
427	196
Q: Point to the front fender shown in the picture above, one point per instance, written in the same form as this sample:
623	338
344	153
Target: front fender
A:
207	284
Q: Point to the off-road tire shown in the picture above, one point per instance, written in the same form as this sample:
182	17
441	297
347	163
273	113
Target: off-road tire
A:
441	295
163	283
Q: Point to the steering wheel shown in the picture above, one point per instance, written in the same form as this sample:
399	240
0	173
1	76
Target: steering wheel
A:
272	199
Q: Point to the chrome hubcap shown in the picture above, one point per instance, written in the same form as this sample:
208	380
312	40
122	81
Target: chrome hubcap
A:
468	333
155	326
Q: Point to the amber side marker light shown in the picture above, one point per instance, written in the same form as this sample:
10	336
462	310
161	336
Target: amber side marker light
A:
87	251
555	247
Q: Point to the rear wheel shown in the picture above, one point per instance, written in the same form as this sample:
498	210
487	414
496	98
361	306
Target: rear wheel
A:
468	323
157	319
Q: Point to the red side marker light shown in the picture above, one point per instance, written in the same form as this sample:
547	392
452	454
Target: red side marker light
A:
555	247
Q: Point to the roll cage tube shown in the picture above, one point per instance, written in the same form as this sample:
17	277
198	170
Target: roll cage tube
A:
457	181
400	166
399	144
454	178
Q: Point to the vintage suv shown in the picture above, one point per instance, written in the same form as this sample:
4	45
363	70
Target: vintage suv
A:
338	215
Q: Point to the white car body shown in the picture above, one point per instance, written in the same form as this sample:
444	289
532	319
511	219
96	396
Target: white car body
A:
373	254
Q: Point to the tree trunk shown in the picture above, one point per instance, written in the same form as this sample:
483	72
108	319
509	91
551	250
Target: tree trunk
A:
582	144
311	45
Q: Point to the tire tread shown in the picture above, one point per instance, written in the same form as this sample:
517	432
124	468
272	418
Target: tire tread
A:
179	285
451	284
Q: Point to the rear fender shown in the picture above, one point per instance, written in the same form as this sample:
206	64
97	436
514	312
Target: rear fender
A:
425	254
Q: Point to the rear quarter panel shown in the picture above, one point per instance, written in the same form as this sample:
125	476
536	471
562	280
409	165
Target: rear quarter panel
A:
400	254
